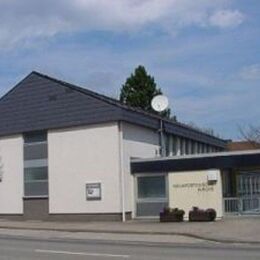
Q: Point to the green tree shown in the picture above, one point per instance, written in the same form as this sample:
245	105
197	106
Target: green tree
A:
139	90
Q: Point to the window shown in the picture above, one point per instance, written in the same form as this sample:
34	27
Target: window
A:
199	148
187	143
35	137
36	181
167	144
174	145
35	164
204	150
182	146
35	151
35	174
151	187
193	147
151	195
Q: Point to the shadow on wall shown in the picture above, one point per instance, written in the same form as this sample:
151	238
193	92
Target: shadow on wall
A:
1	169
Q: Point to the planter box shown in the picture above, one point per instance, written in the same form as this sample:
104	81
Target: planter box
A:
202	215
170	217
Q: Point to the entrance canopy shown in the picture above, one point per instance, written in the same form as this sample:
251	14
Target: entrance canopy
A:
220	160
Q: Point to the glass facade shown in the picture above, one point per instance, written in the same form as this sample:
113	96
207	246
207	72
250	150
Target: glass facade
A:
176	145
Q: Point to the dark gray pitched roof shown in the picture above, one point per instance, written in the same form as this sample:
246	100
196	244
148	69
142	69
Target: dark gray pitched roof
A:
40	102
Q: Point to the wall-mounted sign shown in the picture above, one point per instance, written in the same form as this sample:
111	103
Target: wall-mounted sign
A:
93	191
200	186
212	176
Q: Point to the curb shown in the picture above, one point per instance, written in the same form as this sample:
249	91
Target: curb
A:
190	235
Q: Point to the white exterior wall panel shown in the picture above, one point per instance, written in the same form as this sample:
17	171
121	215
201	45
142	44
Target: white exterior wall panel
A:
138	142
190	189
11	170
79	156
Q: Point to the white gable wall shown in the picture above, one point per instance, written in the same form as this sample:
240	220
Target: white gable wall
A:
11	172
84	155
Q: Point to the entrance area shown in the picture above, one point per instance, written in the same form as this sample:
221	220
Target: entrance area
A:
238	177
151	194
247	193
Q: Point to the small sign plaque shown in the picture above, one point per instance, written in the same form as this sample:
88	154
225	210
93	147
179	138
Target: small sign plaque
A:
93	191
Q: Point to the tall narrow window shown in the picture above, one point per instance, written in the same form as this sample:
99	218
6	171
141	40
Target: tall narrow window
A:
35	164
187	146
174	145
182	142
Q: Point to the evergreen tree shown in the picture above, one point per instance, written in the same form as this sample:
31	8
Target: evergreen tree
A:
139	90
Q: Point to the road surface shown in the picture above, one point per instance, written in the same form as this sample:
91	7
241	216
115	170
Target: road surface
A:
19	248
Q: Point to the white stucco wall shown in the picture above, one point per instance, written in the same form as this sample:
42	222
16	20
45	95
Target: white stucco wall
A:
138	142
79	156
192	189
11	171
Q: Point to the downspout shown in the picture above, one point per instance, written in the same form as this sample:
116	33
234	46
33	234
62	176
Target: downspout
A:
161	139
121	170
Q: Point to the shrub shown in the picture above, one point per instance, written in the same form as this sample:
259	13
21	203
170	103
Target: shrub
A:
212	214
197	214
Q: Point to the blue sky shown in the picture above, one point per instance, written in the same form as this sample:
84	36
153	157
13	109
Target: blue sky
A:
204	54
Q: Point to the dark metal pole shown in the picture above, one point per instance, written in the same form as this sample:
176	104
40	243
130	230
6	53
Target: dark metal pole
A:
162	142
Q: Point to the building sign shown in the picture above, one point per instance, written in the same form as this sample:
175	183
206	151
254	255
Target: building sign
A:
93	191
200	186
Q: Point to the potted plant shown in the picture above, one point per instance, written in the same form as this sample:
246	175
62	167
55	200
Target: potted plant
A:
197	214
212	214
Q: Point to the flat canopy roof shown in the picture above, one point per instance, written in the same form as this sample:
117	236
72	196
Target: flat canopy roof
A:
220	160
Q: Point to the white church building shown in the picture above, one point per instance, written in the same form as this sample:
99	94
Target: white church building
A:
65	151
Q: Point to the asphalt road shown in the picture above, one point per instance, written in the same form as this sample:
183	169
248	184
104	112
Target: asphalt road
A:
26	249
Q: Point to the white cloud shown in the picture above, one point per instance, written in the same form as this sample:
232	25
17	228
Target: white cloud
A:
227	18
28	20
251	72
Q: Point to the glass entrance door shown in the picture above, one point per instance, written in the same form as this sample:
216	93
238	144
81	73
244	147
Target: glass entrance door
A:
151	195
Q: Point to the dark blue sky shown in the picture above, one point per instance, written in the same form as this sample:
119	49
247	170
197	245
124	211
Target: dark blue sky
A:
203	54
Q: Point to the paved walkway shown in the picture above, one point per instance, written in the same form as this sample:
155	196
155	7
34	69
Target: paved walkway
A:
230	229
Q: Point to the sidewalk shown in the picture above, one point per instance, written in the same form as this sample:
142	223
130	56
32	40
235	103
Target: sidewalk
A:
228	230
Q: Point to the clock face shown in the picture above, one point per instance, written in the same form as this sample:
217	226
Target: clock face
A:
160	103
